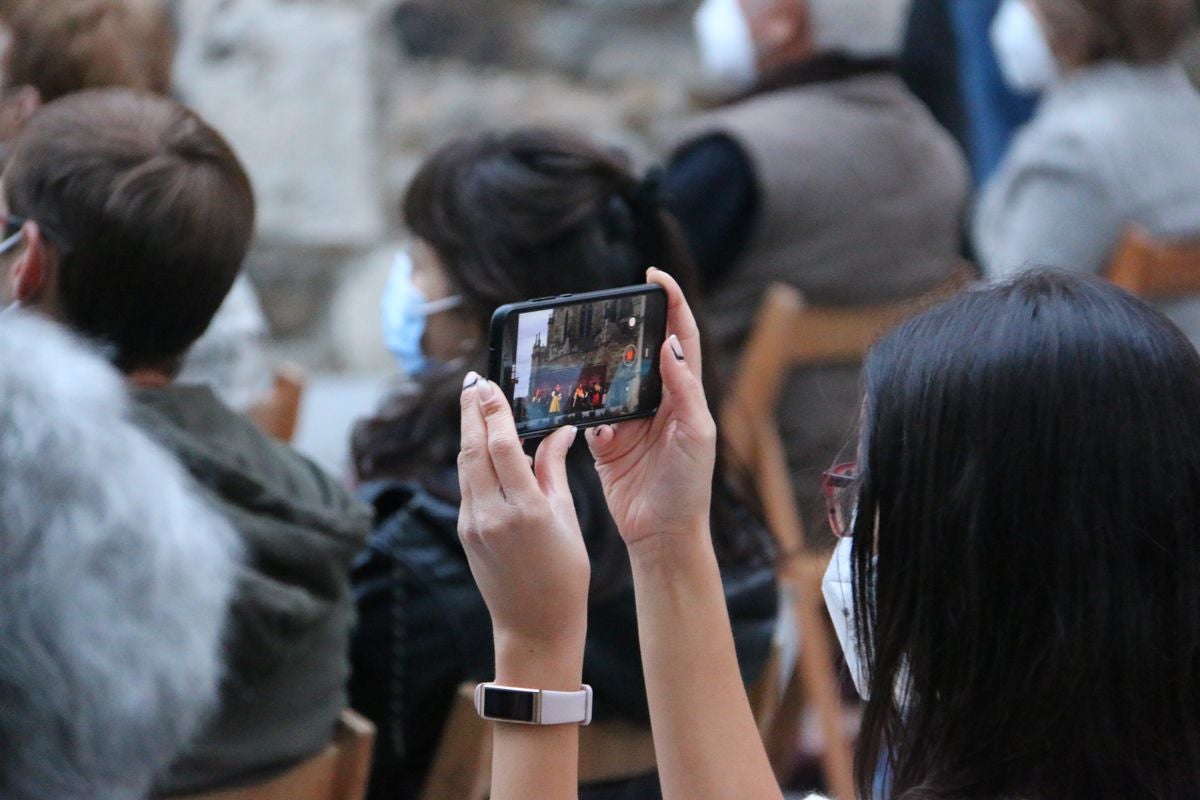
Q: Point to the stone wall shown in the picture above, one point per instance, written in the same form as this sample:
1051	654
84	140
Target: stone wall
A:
334	103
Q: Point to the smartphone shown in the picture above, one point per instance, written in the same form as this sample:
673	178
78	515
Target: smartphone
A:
583	359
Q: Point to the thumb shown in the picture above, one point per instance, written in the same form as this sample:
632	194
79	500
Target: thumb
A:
550	466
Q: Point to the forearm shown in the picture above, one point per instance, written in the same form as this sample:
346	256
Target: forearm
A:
705	736
525	756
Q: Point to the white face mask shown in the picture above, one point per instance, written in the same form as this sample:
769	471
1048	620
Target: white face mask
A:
1022	49
726	46
839	599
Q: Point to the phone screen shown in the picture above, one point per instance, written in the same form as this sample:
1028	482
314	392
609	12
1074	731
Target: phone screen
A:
584	361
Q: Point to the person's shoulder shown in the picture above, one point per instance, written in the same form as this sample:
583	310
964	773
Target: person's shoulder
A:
409	512
235	459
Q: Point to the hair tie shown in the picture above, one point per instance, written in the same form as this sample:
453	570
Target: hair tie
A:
646	199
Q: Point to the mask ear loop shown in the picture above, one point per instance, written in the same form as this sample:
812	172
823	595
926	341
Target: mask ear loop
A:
445	304
11	242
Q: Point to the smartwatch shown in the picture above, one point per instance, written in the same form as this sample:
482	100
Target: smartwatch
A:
533	706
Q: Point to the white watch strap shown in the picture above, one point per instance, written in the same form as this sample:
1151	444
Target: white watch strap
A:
560	708
551	708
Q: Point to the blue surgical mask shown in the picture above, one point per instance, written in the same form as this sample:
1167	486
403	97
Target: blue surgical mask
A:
405	310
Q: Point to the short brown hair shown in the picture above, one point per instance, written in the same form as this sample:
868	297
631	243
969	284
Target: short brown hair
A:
147	210
65	46
1136	31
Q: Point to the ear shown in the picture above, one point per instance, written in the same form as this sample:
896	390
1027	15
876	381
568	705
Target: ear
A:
786	27
16	109
29	101
28	277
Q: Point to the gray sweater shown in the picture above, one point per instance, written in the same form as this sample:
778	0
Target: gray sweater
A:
1111	146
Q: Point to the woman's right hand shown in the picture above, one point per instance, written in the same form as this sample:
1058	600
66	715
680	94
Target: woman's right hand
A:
657	473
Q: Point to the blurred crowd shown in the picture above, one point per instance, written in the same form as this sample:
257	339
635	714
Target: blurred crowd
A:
188	604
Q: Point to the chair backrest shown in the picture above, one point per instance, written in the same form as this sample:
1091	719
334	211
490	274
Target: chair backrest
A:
340	772
278	411
1155	269
789	334
608	751
462	765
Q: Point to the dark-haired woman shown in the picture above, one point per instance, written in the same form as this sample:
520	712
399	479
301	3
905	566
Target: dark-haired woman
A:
499	219
1017	592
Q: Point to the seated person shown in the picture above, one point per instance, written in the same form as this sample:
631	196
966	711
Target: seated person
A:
115	581
133	218
1113	143
53	48
822	172
500	219
1021	617
59	47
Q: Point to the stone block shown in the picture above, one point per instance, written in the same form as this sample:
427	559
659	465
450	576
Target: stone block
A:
289	83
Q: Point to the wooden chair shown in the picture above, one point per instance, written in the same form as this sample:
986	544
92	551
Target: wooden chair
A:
278	411
608	751
1156	269
462	765
340	772
790	334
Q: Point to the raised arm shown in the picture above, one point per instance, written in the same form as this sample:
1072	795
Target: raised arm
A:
657	476
522	540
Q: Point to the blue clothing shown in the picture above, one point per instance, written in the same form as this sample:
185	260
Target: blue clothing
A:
992	110
711	189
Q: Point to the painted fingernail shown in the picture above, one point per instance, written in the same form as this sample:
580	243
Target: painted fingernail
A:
470	380
484	387
574	434
676	348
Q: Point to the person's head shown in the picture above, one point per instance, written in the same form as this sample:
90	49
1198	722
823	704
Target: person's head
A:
1038	41
504	217
114	581
741	40
1026	546
136	219
59	47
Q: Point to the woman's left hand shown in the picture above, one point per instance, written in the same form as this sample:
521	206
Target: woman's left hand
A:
519	529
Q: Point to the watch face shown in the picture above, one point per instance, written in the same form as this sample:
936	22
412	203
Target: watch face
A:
509	704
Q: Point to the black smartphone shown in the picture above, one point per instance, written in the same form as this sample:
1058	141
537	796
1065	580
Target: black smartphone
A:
583	359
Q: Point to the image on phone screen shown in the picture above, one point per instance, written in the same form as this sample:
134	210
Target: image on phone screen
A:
583	362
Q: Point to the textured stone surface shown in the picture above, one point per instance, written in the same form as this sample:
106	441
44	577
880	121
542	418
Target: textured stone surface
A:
333	104
290	84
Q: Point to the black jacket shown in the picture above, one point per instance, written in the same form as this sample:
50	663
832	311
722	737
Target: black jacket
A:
424	629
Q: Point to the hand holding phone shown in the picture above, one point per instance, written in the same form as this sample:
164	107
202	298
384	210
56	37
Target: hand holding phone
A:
582	360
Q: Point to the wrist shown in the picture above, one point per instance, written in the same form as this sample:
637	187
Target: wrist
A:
674	550
556	665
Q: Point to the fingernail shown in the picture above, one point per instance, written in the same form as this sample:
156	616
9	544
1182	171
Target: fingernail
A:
676	348
470	380
651	271
574	433
484	387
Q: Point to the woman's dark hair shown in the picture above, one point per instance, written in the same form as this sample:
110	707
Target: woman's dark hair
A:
512	216
1030	484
